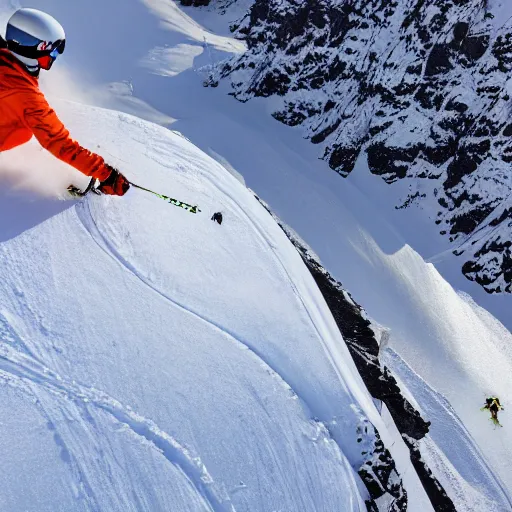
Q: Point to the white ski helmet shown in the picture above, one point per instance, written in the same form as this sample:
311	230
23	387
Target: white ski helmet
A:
35	38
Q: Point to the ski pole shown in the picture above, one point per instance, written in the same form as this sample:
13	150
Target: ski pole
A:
170	200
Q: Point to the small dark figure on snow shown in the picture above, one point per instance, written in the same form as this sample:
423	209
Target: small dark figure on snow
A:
493	405
217	217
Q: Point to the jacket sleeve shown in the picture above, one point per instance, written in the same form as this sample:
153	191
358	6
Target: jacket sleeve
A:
53	136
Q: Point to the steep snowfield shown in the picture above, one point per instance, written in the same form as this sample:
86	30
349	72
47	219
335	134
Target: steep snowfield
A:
449	449
154	360
460	351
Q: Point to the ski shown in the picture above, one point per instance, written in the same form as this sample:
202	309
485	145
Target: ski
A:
74	191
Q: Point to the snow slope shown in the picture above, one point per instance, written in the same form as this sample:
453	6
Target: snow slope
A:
449	449
378	255
158	361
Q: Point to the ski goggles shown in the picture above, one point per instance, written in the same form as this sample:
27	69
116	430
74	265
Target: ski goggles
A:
47	60
28	46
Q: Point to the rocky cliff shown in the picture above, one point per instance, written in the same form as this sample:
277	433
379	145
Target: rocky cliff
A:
419	88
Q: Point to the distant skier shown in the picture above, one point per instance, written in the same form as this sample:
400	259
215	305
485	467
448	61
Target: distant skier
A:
493	405
33	41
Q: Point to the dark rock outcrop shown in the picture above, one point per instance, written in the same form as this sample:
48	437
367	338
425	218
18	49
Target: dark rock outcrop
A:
419	86
195	3
379	471
381	477
381	384
441	502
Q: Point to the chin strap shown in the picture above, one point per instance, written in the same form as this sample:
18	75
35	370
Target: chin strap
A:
31	70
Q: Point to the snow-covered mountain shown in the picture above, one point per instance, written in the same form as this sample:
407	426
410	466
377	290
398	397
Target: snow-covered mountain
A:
159	361
421	89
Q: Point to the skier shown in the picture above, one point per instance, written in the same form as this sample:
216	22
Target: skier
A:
33	42
493	405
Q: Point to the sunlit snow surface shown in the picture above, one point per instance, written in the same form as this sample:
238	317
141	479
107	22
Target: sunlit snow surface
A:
154	360
188	347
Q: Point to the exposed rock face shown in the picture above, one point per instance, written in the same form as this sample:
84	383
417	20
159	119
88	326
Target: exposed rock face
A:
420	86
440	500
364	349
380	476
379	471
195	3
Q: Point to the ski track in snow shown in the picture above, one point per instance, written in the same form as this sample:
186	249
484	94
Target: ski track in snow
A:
8	334
24	368
86	218
330	350
108	248
71	460
260	232
19	349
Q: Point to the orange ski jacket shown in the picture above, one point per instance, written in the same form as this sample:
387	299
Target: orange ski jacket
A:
24	112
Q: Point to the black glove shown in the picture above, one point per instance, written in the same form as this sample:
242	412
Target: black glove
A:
115	185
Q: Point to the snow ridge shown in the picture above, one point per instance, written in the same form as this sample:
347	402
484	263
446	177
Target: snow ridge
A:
354	326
